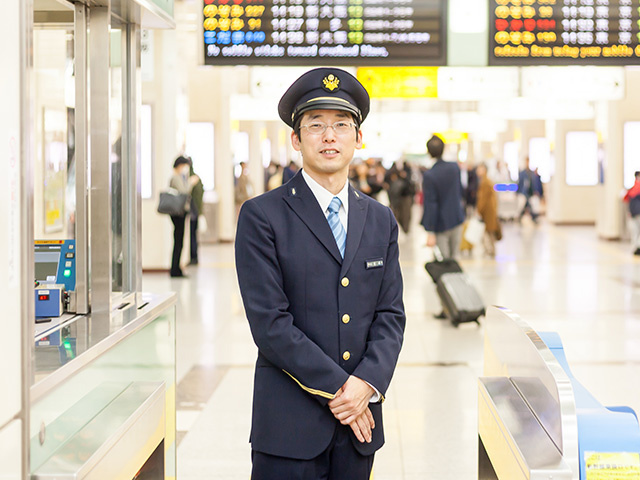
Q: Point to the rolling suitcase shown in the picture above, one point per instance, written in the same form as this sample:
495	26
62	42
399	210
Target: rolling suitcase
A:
461	301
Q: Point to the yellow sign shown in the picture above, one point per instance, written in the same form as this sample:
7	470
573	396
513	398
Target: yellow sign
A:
610	466
453	136
400	82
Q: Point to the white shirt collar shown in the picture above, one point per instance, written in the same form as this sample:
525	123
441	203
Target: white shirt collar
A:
324	196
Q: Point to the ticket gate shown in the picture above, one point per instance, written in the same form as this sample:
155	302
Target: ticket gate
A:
536	421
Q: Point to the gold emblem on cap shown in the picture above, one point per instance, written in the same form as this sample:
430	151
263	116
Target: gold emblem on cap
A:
331	82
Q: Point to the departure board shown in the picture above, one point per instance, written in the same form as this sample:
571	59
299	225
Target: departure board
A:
324	32
564	32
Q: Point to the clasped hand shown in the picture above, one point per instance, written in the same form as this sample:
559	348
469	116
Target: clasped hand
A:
351	407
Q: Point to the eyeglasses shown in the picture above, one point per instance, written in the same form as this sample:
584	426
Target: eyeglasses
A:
341	128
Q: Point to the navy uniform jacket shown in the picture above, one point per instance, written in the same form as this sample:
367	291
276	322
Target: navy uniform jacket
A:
442	189
315	317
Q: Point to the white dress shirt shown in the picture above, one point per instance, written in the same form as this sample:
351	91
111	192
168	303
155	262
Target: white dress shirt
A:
324	197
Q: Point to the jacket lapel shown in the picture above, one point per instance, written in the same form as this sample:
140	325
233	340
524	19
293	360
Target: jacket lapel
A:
357	215
301	199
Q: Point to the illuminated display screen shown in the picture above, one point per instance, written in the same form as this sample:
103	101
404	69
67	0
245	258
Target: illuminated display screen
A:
336	32
564	32
47	258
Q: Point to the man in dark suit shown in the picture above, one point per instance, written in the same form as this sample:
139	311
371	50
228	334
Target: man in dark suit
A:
318	269
530	187
443	214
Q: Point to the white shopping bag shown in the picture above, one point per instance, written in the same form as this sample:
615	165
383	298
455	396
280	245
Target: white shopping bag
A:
202	224
534	203
475	231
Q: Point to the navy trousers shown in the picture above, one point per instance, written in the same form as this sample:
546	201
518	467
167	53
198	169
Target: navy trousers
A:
340	461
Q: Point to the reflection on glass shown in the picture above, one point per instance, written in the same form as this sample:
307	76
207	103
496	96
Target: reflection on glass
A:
54	172
146	149
115	136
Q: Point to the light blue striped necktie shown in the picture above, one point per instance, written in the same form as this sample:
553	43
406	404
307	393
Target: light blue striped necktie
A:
336	225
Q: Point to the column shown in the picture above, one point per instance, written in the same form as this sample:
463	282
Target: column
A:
16	237
570	204
160	91
224	156
257	133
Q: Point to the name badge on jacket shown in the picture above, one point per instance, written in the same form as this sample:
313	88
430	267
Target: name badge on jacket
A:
374	263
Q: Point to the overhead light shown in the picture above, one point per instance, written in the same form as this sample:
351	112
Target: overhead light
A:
468	16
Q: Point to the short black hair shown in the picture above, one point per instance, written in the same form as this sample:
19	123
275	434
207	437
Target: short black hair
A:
435	146
181	160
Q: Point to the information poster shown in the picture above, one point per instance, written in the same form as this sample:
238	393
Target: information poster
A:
564	32
609	466
323	32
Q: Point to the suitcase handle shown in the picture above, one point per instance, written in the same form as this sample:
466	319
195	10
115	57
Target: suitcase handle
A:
437	254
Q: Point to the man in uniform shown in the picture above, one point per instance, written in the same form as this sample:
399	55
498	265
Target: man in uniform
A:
317	264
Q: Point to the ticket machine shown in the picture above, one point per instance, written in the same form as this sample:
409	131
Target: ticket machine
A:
55	277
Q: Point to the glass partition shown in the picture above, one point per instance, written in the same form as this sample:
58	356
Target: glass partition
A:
116	157
54	101
148	355
146	151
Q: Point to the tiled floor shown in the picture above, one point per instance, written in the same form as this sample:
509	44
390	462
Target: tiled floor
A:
556	278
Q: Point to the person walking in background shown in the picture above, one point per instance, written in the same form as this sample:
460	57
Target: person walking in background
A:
443	214
632	197
290	171
469	186
244	187
530	188
401	192
407	196
197	194
183	183
487	207
360	179
500	173
375	178
274	176
317	264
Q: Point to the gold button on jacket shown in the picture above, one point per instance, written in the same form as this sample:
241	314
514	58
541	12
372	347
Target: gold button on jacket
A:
345	282
346	318
346	356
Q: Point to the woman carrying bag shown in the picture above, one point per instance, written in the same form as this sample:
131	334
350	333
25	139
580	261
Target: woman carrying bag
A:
183	183
487	207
